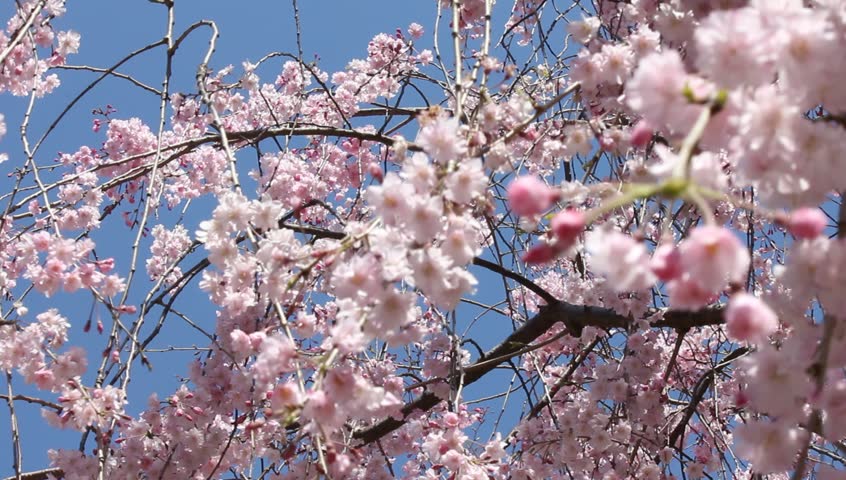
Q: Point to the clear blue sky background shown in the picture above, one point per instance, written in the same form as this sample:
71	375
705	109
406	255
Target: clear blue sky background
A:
334	30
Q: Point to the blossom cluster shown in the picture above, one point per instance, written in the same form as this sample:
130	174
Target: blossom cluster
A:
651	203
22	72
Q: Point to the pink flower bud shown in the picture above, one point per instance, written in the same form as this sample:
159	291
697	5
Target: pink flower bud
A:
130	309
528	196
641	134
566	227
806	223
375	171
540	253
666	263
55	60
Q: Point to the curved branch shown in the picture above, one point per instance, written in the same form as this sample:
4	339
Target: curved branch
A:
494	267
699	393
186	146
575	317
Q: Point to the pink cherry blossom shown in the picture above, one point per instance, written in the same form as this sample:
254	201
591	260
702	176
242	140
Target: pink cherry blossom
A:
585	29
656	90
806	223
467	182
540	253
732	46
749	319
415	30
623	261
528	196
713	257
442	140
770	447
391	199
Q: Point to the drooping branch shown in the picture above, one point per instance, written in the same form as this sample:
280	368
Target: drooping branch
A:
563	380
699	393
283	131
494	267
35	400
22	30
178	149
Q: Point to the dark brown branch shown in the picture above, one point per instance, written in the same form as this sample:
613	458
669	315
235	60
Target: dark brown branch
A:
111	72
388	110
317	232
574	364
261	134
38	401
699	393
573	316
187	146
495	267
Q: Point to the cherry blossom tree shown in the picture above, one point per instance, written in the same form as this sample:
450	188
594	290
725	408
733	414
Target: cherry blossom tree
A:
516	240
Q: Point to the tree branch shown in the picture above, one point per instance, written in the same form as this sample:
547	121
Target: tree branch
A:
41	474
699	393
495	267
575	317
